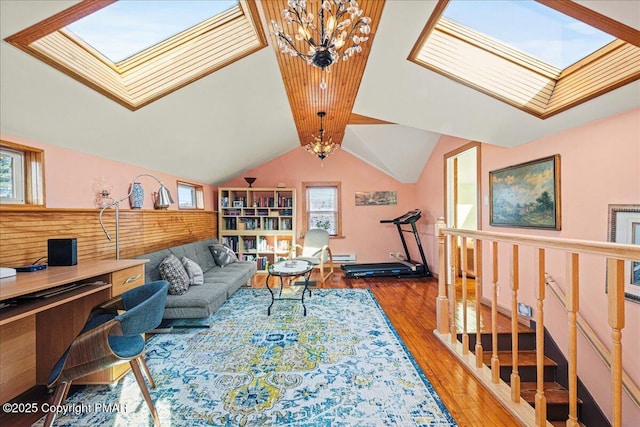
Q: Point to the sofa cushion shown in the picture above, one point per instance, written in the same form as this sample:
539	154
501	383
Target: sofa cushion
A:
233	275
172	270
196	251
199	302
196	276
151	270
223	255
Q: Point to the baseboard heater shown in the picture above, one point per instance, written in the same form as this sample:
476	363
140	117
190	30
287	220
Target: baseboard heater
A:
340	258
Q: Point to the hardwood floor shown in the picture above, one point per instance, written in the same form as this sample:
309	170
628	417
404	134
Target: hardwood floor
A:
410	306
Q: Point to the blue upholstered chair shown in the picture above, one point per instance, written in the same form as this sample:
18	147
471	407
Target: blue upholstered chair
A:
112	335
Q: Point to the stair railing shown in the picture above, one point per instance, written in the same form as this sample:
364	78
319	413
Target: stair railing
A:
450	240
630	387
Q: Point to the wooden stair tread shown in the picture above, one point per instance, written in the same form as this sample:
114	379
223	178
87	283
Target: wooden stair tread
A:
533	386
563	423
525	358
553	392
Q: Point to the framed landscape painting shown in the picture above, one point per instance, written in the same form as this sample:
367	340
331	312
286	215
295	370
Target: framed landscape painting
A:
369	198
527	194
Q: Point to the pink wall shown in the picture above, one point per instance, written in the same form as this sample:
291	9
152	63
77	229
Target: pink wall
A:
69	177
600	165
363	233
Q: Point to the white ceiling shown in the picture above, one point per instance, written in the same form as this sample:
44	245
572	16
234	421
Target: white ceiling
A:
239	117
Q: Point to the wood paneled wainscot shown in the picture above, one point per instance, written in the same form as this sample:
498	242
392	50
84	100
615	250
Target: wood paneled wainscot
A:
38	329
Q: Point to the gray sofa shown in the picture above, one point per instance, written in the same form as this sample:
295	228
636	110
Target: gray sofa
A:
219	282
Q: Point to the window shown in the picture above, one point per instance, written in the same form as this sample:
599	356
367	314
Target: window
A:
121	49
323	207
190	196
11	176
542	57
126	28
21	175
563	42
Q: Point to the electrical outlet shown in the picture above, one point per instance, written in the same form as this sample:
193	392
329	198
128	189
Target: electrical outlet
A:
525	310
398	255
391	255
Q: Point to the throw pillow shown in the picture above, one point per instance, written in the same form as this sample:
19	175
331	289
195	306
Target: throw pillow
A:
196	276
223	255
172	270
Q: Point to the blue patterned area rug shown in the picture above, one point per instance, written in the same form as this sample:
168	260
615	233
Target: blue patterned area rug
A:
341	365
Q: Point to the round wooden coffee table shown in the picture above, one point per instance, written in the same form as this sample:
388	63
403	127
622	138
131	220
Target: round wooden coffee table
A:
290	268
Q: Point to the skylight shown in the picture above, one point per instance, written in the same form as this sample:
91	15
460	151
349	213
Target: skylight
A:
137	51
127	27
541	57
531	27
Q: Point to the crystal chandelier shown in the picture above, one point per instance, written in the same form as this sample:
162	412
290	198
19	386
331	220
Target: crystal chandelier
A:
319	146
342	29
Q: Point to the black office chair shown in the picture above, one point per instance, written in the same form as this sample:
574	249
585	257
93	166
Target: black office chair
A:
111	337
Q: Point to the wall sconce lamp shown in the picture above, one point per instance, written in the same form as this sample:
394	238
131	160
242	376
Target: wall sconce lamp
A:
162	201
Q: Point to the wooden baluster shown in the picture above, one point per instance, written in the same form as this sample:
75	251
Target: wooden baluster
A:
442	303
615	289
477	253
495	362
463	264
572	309
452	289
515	284
541	400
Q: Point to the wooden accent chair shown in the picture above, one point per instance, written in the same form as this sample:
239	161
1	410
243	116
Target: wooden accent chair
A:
110	337
315	249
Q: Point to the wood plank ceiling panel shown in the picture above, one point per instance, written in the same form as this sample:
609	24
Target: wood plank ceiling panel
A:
302	81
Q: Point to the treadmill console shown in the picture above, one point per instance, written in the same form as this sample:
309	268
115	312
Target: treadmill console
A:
408	218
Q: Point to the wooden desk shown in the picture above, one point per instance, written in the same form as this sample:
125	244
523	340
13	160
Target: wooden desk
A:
35	332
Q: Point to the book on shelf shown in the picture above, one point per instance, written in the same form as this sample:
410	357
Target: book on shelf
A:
285	202
262	263
284	246
231	242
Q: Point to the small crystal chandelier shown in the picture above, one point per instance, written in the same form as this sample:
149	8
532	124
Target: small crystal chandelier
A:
342	30
319	146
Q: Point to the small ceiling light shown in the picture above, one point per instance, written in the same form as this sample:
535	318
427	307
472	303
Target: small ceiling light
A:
319	146
340	30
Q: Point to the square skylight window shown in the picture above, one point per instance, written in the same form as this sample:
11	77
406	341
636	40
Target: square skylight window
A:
540	56
128	27
531	27
122	49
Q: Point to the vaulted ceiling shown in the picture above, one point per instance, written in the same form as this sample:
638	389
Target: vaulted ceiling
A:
241	115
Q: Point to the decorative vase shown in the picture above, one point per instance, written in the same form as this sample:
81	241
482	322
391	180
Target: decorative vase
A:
250	180
137	196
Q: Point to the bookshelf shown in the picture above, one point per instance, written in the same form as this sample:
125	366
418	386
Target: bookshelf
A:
257	223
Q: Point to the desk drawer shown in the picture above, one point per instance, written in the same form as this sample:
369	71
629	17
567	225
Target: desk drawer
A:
126	279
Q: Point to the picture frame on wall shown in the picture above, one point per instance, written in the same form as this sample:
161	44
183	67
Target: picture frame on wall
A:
624	227
376	198
526	195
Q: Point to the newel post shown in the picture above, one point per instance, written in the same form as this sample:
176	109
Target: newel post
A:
442	304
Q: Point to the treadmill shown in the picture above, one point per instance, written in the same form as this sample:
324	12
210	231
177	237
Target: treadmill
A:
407	267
